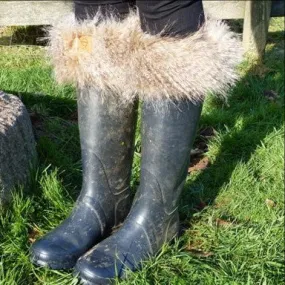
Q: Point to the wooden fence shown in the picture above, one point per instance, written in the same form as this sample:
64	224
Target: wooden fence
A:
256	15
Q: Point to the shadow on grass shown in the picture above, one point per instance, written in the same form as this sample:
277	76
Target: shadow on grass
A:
249	116
24	35
275	36
55	106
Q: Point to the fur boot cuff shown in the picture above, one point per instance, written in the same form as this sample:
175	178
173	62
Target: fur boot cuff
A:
118	56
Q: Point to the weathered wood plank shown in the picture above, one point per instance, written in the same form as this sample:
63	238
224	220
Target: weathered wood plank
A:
225	9
24	13
256	16
256	23
47	12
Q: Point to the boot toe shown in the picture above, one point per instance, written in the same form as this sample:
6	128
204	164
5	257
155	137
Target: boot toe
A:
111	258
96	269
53	255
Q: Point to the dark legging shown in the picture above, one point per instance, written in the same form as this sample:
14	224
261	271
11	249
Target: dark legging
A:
170	16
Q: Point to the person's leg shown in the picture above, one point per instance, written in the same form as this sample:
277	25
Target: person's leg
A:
172	17
168	131
89	8
107	130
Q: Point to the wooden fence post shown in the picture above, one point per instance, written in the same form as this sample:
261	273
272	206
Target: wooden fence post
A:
256	23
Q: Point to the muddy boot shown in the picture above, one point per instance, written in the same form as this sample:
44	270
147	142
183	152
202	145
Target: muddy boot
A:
106	134
168	131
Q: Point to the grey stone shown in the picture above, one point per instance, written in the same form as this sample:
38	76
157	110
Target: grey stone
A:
17	145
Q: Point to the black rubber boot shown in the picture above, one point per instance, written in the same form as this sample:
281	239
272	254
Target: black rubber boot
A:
168	131
106	135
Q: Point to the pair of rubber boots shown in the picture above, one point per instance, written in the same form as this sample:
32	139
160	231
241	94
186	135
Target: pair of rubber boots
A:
107	130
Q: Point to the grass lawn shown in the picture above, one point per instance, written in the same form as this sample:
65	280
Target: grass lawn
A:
231	211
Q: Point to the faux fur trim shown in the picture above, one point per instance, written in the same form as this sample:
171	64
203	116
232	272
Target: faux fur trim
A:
118	56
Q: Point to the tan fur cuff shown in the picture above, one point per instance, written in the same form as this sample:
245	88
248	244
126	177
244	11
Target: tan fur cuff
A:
119	57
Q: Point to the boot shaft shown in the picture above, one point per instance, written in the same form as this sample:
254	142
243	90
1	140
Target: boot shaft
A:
168	132
107	129
106	135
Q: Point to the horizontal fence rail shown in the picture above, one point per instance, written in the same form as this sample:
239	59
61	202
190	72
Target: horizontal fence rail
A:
256	15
